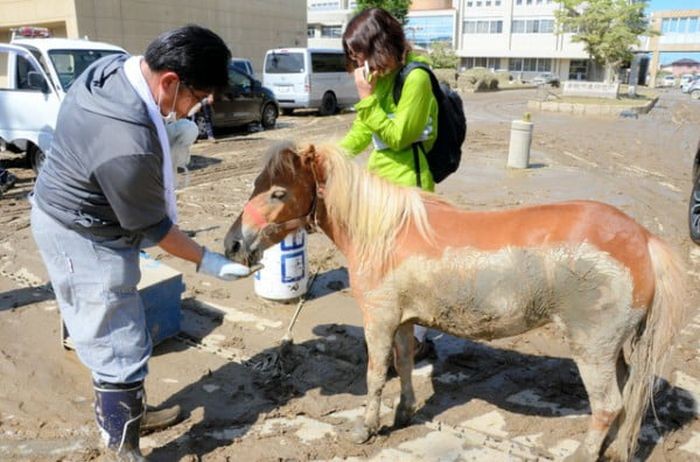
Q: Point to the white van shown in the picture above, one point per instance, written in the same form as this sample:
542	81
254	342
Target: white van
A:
35	74
309	78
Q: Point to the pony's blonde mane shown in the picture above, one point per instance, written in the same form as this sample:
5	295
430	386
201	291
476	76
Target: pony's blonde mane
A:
371	209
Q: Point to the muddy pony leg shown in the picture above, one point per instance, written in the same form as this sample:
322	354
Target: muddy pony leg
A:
379	336
599	375
403	342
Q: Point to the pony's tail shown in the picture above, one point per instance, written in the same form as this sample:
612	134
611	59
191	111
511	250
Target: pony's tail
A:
651	343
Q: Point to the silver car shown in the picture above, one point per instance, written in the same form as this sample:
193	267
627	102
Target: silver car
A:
687	83
694	89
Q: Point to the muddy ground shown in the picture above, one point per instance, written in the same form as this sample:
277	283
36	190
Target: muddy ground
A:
519	398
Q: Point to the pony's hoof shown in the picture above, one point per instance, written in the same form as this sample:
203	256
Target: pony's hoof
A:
359	435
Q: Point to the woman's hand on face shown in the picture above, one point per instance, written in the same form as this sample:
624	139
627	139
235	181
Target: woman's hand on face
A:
364	87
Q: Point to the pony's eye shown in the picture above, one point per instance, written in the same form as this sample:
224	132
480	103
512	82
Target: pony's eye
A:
278	194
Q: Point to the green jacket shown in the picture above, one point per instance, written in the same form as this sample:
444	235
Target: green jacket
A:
396	127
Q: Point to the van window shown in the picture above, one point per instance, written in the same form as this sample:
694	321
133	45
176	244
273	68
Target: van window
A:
284	63
23	66
70	64
328	62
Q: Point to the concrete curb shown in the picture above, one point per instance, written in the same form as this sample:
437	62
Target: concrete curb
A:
590	109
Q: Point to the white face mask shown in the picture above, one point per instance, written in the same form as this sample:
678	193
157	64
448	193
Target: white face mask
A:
171	117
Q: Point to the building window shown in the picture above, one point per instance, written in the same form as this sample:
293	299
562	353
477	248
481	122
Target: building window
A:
425	30
493	26
546	26
693	26
489	63
324	5
578	69
685	25
530	65
331	31
311	32
518	2
532	26
470	4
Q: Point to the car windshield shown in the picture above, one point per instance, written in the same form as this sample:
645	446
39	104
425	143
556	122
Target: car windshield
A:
70	64
284	63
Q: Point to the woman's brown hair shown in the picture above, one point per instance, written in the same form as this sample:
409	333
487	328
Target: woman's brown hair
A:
376	34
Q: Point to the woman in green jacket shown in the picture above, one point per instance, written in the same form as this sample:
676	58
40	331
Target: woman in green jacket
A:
377	49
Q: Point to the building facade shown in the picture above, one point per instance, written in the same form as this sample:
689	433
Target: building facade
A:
518	36
326	21
249	28
679	32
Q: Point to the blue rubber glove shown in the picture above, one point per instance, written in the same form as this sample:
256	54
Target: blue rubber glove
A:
215	264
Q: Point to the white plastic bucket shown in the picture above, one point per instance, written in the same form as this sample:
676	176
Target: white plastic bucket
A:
286	269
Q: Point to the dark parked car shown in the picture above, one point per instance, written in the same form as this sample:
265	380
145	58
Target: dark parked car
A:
694	205
245	101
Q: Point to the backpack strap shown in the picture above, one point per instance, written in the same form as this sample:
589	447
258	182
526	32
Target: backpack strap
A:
416	161
398	87
403	73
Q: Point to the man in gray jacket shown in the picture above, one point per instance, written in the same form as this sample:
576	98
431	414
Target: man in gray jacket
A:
107	190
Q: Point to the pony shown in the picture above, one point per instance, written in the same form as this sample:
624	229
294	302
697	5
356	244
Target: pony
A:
414	258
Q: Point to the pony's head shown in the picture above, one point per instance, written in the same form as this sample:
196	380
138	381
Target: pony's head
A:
283	199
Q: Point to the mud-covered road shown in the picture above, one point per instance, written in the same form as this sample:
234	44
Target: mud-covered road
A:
519	398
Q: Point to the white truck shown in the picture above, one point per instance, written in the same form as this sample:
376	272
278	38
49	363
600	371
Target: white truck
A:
35	74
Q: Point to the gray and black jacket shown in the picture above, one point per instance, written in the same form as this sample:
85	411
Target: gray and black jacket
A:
103	176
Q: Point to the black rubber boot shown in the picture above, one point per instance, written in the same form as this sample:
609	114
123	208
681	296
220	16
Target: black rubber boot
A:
119	409
160	419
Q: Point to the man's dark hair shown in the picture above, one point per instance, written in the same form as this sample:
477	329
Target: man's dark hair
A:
379	36
197	55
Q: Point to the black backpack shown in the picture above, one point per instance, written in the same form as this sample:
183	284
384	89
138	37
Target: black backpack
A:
446	153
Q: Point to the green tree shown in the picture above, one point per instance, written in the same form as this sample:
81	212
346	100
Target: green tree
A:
607	28
398	8
442	56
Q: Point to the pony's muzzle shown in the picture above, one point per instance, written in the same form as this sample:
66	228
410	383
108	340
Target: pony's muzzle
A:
233	244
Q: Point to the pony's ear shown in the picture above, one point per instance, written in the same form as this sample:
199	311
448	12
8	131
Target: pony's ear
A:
308	154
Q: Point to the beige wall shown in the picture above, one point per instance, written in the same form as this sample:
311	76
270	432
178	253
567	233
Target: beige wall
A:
418	5
249	27
57	15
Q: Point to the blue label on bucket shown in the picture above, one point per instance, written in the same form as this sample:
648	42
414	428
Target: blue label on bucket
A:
293	266
293	241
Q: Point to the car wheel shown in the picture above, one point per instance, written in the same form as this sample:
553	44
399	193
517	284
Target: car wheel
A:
329	105
269	116
201	125
694	212
287	111
695	94
36	158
